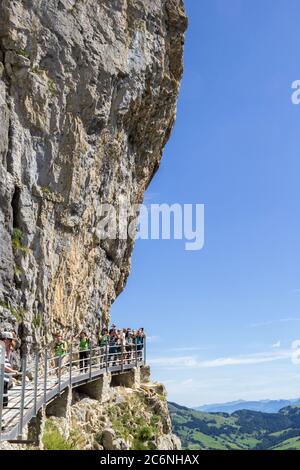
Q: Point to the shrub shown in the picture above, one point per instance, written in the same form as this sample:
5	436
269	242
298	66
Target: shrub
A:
139	445
154	420
45	190
23	53
17	241
53	440
37	320
18	313
145	433
17	238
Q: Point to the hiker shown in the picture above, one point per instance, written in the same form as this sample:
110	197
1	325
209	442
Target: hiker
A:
60	350
15	344
84	347
103	342
113	329
7	338
139	341
129	339
120	344
124	333
113	345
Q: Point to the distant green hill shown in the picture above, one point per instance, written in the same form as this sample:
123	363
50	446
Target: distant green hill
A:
240	430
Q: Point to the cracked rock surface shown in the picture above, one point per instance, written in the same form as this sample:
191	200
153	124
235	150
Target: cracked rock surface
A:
88	92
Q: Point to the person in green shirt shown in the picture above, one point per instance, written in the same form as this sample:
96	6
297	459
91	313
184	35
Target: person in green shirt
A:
84	348
60	350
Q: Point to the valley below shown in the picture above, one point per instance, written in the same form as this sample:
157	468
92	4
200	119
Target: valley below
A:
241	430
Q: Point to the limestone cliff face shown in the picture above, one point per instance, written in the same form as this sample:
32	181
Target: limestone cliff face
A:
88	93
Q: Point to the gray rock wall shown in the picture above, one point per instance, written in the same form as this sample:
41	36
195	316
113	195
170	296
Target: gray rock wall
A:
88	93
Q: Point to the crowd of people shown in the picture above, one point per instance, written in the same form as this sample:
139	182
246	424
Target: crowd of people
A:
111	342
125	341
126	338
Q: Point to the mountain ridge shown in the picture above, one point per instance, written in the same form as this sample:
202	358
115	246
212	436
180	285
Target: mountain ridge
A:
266	406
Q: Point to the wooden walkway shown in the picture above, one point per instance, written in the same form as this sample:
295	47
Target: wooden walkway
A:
28	397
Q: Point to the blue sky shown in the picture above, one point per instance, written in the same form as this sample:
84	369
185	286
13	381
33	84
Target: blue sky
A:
221	320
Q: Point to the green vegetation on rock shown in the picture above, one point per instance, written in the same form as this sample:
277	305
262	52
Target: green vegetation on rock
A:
131	422
16	240
18	313
23	53
54	440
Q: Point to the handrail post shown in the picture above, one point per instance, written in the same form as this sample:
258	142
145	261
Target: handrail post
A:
145	356
90	370
2	369
59	373
98	356
70	364
106	357
122	356
136	357
24	363
36	368
45	376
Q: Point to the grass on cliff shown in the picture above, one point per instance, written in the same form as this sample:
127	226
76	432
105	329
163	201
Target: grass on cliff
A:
129	420
53	439
16	240
23	53
18	313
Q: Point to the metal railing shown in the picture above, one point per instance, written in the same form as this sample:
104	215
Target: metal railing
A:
46	377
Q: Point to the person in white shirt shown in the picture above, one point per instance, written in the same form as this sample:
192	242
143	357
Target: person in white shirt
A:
7	338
